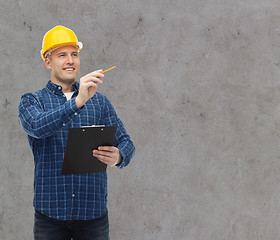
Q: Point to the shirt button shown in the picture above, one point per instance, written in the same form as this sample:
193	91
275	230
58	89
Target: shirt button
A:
63	124
73	195
59	88
76	114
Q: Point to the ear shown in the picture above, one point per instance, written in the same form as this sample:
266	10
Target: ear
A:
48	63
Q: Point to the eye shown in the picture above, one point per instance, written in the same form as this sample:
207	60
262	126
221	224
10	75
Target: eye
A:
61	55
75	54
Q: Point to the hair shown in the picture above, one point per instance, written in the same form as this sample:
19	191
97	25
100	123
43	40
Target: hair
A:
48	56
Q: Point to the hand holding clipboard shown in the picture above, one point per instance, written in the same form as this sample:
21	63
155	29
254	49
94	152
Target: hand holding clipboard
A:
78	157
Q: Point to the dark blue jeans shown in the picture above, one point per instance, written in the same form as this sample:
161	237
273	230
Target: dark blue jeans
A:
46	228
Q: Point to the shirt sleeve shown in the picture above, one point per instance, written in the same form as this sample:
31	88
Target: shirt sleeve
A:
39	123
122	139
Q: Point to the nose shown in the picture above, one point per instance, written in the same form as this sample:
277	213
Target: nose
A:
70	59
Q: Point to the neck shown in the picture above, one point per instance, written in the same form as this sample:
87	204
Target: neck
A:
67	90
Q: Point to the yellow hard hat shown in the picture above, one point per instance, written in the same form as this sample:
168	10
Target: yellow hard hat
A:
57	37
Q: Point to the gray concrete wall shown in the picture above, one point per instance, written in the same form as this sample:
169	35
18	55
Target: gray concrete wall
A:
197	87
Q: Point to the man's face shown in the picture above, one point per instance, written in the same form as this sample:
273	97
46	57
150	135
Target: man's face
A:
64	64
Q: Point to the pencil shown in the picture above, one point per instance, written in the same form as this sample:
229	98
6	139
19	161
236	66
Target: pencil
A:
108	69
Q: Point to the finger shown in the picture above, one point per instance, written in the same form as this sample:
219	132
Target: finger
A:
97	74
105	159
98	153
108	148
92	79
89	77
107	154
109	162
96	80
88	85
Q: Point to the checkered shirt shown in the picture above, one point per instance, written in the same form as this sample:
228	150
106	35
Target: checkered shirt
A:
46	116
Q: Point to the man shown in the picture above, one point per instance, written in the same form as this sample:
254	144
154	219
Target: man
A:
69	206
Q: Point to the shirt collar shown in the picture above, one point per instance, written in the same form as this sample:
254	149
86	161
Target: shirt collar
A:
58	89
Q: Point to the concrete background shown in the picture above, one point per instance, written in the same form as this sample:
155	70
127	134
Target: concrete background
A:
197	87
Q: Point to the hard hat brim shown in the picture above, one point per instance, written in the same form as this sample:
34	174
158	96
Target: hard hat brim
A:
79	46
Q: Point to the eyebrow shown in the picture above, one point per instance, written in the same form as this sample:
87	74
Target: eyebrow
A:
66	52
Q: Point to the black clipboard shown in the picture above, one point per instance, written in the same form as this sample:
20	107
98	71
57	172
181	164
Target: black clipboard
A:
78	156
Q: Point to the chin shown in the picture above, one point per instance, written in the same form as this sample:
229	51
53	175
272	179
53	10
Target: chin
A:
67	80
72	80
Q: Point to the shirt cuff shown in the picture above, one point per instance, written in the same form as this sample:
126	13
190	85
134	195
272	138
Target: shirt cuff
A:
71	110
123	162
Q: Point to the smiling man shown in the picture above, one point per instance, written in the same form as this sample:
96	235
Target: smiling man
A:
69	206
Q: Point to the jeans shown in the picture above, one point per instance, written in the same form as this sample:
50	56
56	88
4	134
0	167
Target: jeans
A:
46	228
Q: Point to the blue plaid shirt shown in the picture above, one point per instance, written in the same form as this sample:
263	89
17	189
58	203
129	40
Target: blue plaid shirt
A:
46	116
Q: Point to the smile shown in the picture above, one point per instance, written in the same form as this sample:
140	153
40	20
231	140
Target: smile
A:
69	69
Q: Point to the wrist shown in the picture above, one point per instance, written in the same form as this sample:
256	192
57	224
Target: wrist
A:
78	102
119	160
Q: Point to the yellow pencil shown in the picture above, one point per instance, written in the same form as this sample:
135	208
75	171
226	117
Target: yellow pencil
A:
108	69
